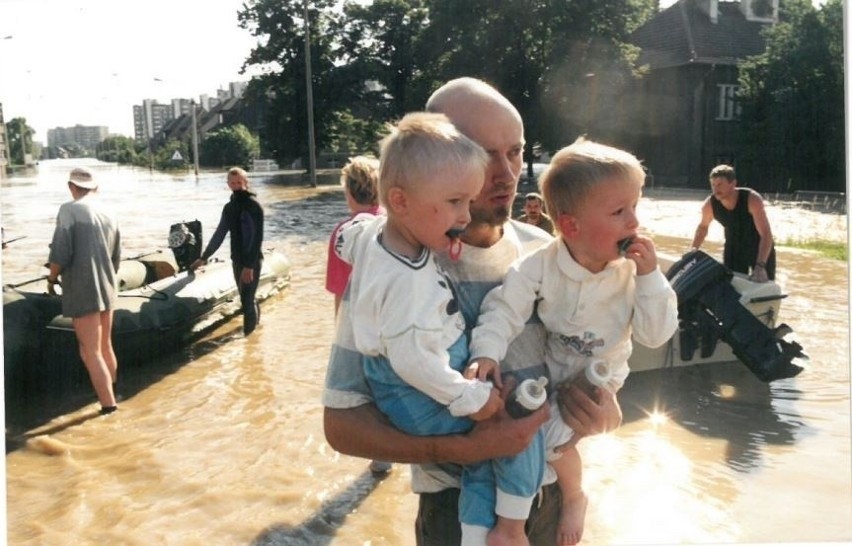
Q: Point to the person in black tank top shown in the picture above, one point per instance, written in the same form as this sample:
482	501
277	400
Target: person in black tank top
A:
749	246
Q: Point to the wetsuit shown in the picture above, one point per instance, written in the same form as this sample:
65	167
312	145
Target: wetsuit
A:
242	216
741	237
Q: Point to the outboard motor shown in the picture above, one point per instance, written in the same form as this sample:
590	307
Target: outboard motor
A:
709	309
186	243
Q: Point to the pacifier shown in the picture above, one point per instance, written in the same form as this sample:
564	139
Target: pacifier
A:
455	242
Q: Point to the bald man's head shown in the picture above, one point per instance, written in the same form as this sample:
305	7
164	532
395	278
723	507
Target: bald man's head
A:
489	119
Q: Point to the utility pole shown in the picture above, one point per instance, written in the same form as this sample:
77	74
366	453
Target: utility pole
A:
194	137
312	162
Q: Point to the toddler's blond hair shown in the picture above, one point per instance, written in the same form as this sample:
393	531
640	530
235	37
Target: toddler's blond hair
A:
577	168
423	146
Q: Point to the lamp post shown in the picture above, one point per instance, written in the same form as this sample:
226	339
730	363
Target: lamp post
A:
312	163
194	138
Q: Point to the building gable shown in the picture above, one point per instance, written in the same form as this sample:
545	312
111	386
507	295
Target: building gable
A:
699	31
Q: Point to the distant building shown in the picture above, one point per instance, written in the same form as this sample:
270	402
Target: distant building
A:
687	111
208	102
85	136
155	121
237	89
149	119
181	107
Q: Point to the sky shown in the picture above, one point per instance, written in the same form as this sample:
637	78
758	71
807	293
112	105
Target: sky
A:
87	62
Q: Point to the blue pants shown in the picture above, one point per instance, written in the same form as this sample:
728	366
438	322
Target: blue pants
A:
416	413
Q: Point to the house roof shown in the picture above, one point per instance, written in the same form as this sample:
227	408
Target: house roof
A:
684	34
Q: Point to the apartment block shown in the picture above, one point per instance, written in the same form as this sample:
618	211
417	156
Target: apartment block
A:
150	117
86	136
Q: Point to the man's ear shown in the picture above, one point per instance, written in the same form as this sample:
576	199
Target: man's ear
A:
568	225
397	200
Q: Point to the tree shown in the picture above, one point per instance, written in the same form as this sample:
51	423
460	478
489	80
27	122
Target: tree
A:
20	140
117	149
564	64
233	146
355	135
163	158
280	53
792	124
381	42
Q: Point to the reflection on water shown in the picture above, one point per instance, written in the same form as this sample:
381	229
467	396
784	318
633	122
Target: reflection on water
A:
222	443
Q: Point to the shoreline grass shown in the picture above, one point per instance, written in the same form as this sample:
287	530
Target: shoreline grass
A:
830	249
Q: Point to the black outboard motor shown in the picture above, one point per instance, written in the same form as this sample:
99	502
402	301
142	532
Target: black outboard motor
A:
709	309
186	243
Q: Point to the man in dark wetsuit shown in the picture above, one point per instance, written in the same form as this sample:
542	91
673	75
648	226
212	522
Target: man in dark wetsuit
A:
748	237
243	217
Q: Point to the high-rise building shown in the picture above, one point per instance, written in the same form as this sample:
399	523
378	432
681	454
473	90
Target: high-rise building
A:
87	137
149	118
208	102
237	89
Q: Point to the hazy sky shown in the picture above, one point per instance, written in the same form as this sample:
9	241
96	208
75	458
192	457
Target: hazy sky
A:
67	62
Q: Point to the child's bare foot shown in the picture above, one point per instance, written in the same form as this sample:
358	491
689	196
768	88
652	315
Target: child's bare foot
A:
573	519
508	532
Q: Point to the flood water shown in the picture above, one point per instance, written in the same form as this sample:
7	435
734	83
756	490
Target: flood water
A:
223	443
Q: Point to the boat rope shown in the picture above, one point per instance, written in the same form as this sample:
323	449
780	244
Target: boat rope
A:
43	277
158	295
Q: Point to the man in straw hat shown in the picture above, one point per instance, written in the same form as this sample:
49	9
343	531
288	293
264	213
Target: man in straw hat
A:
85	251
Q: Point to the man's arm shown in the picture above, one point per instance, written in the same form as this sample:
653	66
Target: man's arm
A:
703	225
364	432
586	416
761	223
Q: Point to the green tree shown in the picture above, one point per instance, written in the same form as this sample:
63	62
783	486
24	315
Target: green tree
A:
381	42
20	140
281	89
233	146
792	125
163	157
355	135
565	65
117	149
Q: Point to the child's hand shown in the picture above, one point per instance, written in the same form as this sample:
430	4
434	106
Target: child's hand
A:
491	407
643	253
484	369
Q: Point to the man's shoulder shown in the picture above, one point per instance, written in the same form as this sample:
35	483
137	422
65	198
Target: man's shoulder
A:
528	236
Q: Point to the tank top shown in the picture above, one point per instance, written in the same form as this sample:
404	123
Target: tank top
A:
741	237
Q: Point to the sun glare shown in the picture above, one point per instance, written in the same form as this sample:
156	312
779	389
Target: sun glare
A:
658	418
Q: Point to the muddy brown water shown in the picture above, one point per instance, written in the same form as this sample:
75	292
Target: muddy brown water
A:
222	443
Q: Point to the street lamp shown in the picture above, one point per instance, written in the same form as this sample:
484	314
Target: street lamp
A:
194	137
312	162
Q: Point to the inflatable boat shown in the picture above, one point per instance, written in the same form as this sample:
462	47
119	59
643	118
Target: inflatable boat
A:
723	317
162	306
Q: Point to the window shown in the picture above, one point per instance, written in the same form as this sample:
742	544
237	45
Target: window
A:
729	109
